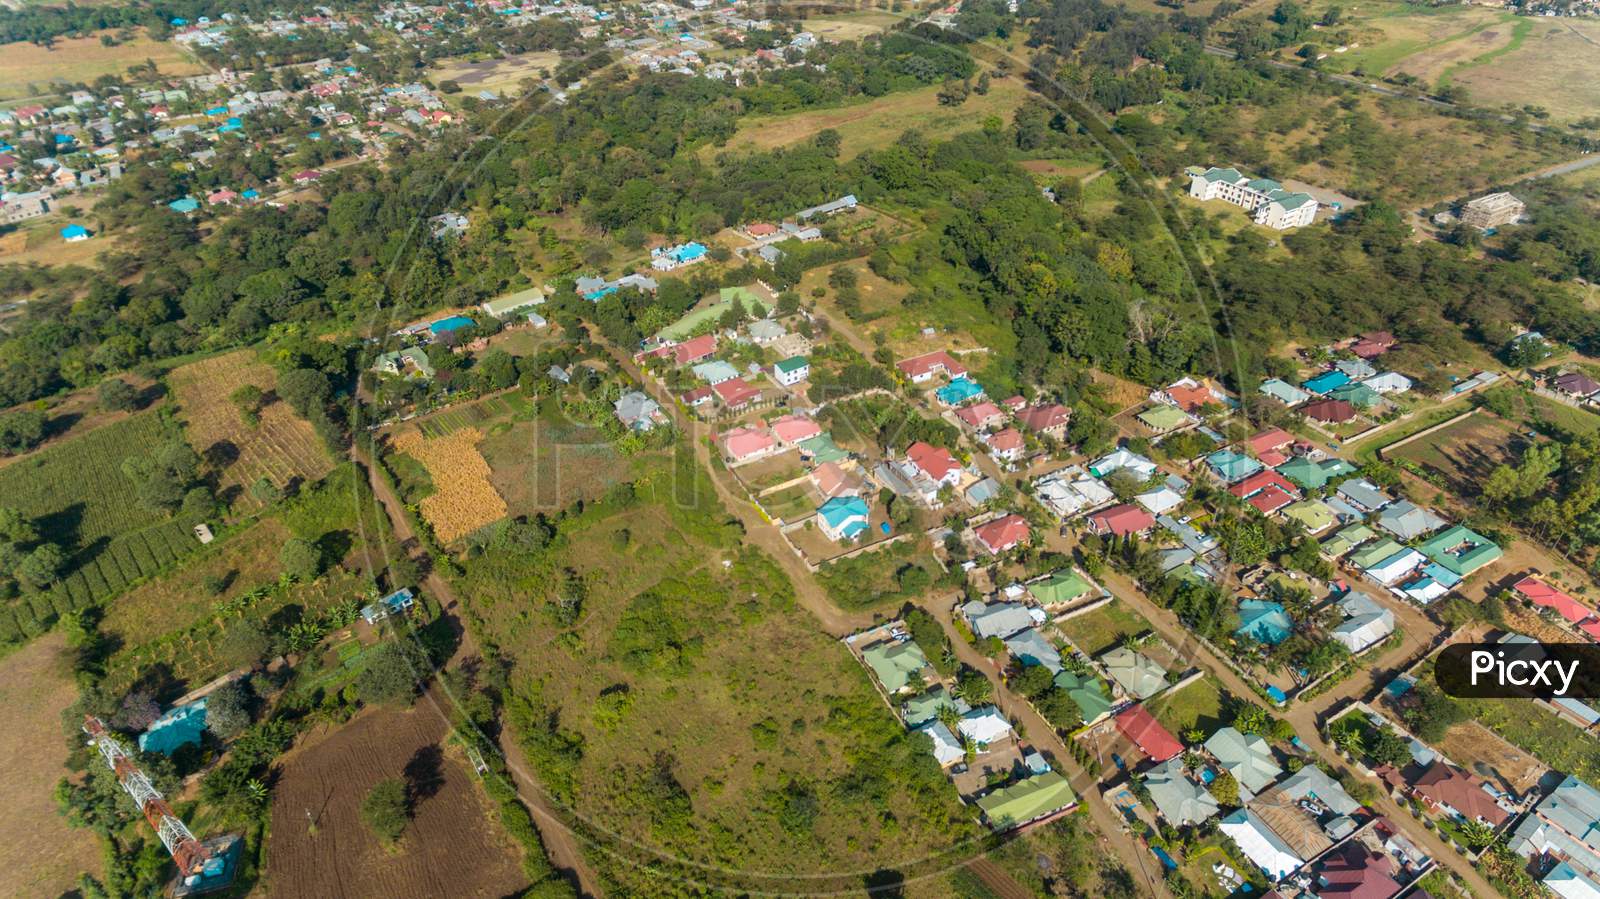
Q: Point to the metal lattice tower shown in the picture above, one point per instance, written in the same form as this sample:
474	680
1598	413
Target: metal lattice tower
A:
186	851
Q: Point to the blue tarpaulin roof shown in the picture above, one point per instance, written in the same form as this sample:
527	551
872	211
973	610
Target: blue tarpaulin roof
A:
180	726
453	323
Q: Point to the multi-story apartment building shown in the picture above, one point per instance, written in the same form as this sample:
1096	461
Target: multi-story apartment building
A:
1492	211
1265	199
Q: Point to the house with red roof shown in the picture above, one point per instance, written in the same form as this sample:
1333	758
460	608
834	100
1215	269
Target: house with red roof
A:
794	428
1329	411
1540	593
1459	794
982	416
1138	725
744	444
1354	871
921	369
1014	403
1006	445
222	197
935	462
1269	440
1270	499
699	396
1049	419
307	176
832	480
736	393
1188	394
761	229
1122	520
694	349
31	114
1003	533
1264	480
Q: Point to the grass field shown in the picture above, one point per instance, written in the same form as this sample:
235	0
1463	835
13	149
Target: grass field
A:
281	446
1466	452
850	26
1541	734
1096	631
880	122
542	461
668	714
1498	57
39	854
1198	705
28	70
39	242
503	76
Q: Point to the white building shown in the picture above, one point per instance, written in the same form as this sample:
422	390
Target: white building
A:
791	371
1265	199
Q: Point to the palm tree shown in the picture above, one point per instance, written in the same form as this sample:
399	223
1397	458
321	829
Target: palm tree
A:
949	717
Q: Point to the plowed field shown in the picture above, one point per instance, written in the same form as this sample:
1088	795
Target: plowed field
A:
452	847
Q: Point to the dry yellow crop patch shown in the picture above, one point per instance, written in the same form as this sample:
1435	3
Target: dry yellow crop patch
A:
463	499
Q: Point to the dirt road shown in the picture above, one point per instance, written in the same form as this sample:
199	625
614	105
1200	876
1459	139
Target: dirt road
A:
560	843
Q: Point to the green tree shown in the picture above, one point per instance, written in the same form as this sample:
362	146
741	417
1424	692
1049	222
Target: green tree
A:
117	395
1225	789
228	710
385	809
300	558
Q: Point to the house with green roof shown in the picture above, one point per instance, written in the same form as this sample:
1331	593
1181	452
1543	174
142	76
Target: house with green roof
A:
1059	587
1314	475
1088	693
1461	550
1313	515
1265	199
1161	418
821	449
1356	394
1374	553
503	307
894	663
925	706
1027	800
1347	538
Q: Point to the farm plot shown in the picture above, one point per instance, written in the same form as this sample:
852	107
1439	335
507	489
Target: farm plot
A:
177	600
1467	451
503	76
1472	746
199	652
464	499
78	485
451	847
281	446
39	854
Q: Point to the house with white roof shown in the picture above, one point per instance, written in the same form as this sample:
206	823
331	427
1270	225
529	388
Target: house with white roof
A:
984	726
1366	622
1260	844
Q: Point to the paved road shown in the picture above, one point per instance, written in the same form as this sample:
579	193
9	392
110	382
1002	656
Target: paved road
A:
560	843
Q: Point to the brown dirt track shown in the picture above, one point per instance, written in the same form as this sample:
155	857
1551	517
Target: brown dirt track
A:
452	847
40	855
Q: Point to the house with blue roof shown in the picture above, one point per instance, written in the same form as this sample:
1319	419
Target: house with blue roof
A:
960	390
184	205
180	726
1231	466
843	517
398	603
1327	382
217	111
1263	621
74	233
665	259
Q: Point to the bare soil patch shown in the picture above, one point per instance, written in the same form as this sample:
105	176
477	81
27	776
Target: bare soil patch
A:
452	847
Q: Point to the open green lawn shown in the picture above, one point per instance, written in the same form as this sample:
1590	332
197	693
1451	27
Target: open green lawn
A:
688	705
1096	631
875	578
1198	705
